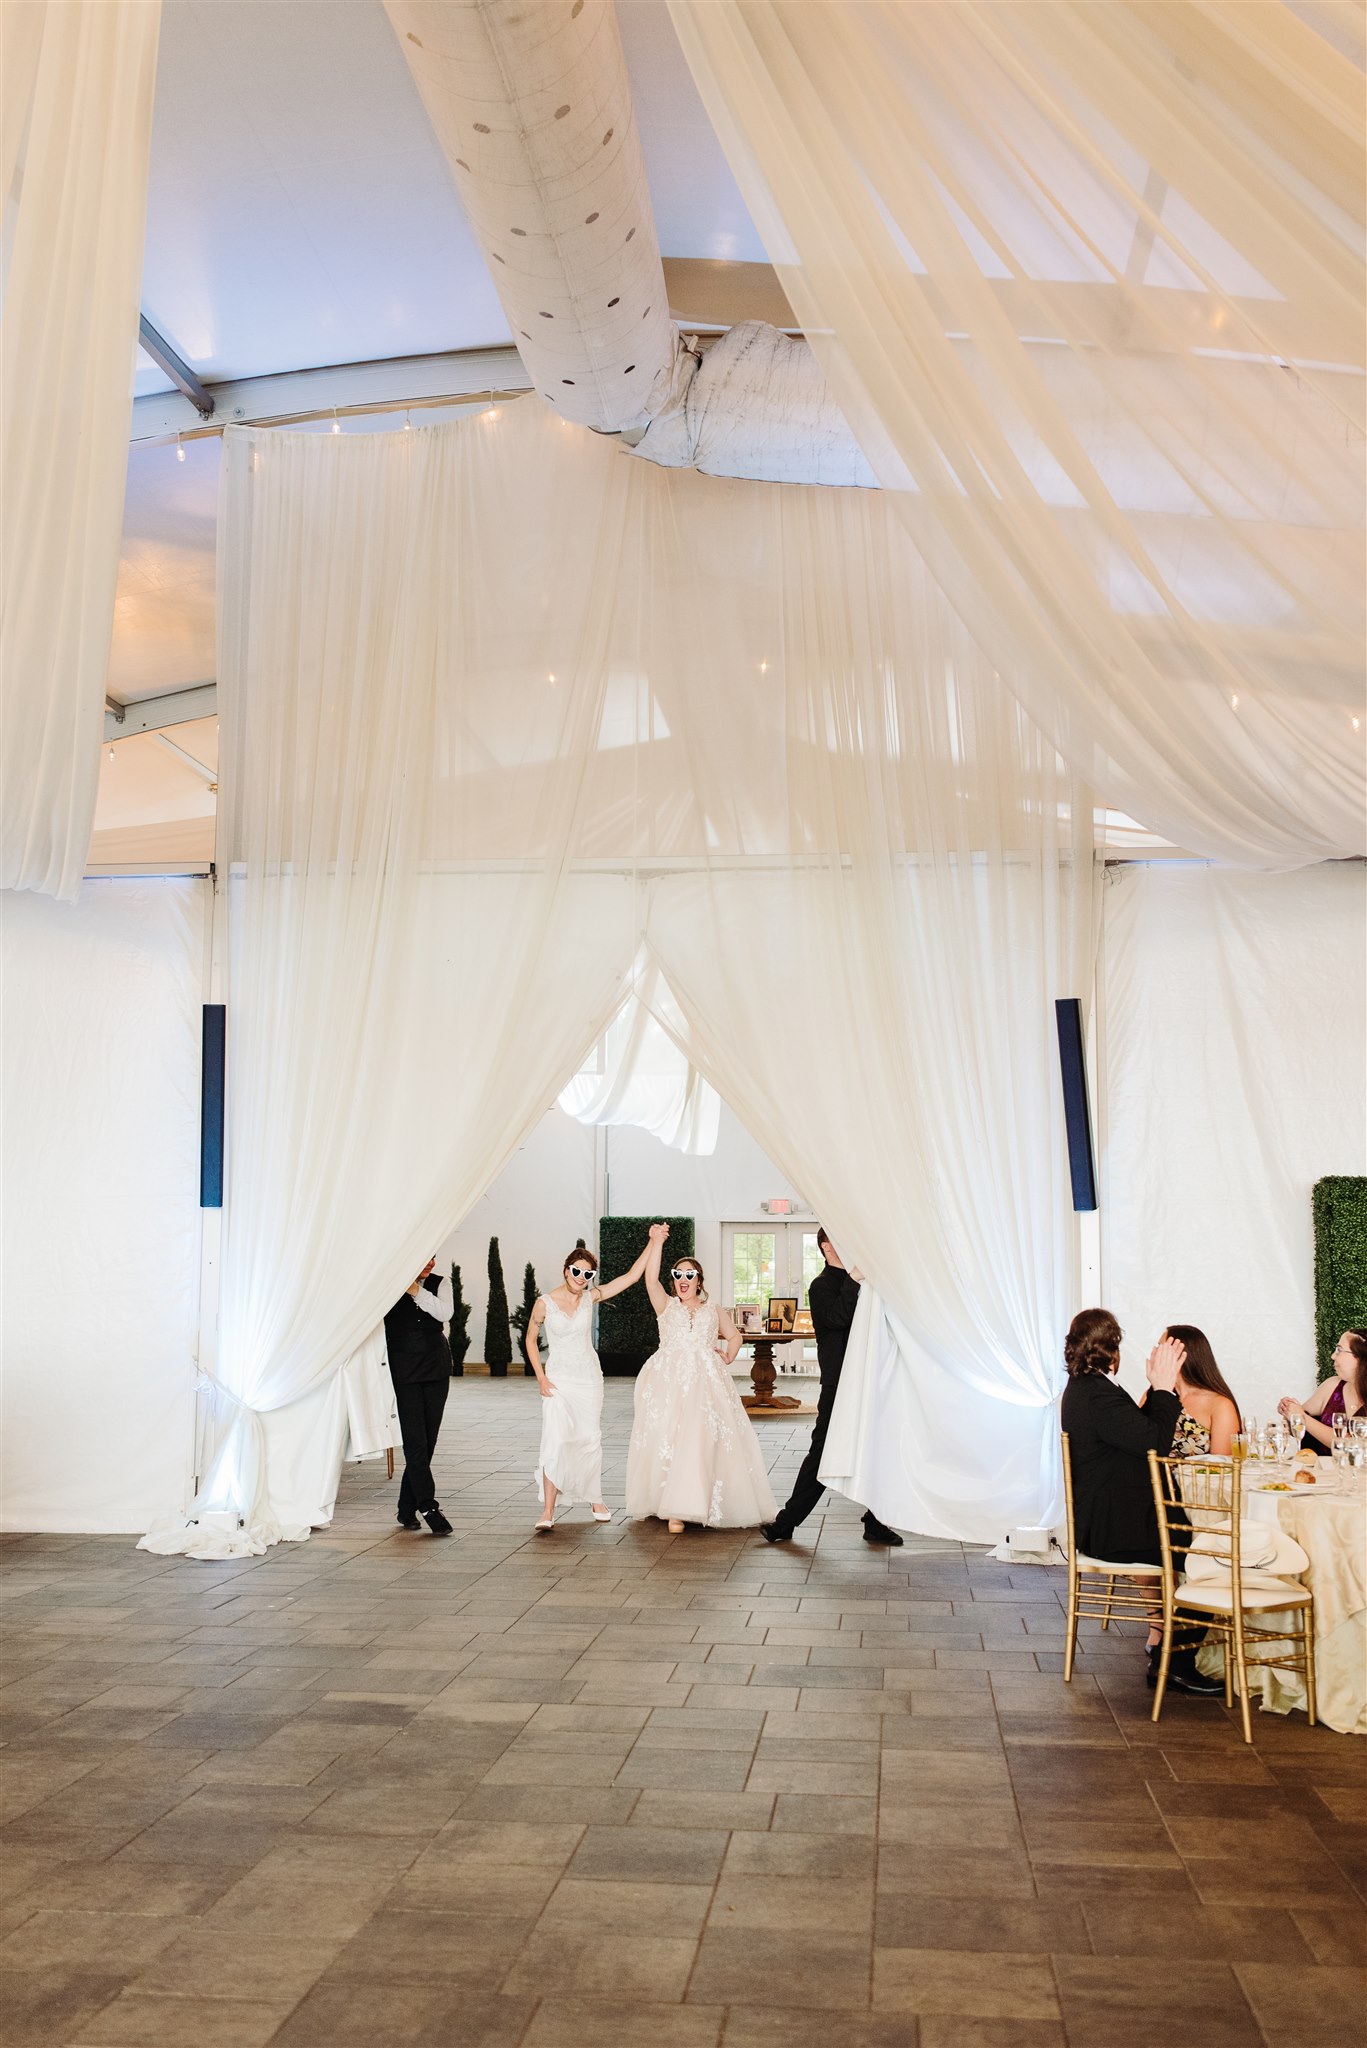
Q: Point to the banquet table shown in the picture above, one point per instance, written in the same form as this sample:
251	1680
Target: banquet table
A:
1331	1527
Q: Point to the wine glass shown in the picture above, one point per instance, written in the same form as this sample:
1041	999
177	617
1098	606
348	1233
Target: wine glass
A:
1295	1430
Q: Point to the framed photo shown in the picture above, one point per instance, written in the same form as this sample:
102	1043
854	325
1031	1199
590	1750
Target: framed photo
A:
782	1313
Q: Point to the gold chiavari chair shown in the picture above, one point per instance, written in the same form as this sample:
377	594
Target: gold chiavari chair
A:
1117	1589
1199	1503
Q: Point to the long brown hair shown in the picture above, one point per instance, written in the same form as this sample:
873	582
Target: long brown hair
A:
580	1256
1357	1344
1198	1367
1092	1343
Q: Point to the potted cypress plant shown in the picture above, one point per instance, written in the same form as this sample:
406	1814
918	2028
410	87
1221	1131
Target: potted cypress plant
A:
522	1315
498	1340
460	1326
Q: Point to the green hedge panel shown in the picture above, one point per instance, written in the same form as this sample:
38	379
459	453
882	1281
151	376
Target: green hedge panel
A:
627	1330
1340	1212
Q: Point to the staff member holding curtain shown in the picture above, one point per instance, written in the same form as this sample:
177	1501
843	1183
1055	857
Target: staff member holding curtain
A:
420	1367
832	1297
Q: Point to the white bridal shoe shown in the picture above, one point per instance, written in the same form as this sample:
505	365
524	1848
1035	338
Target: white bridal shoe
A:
546	1522
601	1514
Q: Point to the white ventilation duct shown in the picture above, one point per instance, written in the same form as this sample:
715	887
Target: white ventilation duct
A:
758	407
531	104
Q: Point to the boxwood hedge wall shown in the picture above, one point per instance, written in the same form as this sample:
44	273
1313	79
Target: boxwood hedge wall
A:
1340	1211
627	1330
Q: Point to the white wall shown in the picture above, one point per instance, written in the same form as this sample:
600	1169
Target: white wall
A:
1233	1077
548	1195
100	1246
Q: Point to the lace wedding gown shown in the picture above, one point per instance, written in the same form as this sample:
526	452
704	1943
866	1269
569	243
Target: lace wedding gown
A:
694	1455
571	1417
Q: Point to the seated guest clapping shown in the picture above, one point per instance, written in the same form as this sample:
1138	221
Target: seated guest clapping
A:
1109	1440
1343	1394
1210	1418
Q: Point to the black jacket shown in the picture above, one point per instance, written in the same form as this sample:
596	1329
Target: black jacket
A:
832	1297
415	1341
1109	1439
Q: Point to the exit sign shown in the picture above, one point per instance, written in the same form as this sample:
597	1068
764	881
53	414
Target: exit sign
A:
780	1206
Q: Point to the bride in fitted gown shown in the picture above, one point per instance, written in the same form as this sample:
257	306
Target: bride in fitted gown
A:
694	1455
570	1464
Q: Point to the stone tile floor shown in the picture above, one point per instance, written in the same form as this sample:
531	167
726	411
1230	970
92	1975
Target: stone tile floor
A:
618	1787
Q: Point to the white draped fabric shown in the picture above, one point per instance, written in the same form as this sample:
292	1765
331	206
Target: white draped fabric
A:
641	1076
75	134
502	706
1087	282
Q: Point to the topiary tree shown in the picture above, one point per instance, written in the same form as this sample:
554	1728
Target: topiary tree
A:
498	1342
522	1316
1340	1213
460	1326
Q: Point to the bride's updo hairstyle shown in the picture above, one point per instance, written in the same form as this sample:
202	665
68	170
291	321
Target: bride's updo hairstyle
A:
1092	1343
580	1256
702	1277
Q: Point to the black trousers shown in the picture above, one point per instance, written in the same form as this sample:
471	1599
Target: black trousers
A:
807	1488
420	1407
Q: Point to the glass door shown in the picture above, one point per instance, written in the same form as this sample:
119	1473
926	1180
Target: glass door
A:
771	1261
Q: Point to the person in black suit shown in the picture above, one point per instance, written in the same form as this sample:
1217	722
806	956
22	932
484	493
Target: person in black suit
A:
1109	1439
832	1297
420	1367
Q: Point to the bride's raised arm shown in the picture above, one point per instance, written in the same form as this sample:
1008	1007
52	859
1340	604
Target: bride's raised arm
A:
654	1253
624	1280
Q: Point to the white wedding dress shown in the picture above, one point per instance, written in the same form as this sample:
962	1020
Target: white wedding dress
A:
572	1416
694	1455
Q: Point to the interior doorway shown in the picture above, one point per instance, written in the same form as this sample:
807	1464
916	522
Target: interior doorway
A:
773	1260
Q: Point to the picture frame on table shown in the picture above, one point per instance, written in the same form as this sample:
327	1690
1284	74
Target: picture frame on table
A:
782	1314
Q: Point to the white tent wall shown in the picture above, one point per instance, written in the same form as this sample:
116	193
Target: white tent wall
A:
549	1192
1232	1078
101	1232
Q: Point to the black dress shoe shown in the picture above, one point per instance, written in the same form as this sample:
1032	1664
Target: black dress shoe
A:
409	1522
879	1532
1183	1675
437	1522
774	1532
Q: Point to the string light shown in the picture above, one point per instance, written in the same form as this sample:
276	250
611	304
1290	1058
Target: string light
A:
336	423
407	424
111	750
180	449
764	668
1234	703
551	678
1356	722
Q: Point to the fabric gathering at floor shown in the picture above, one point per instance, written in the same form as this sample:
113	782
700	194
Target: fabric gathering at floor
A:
618	1787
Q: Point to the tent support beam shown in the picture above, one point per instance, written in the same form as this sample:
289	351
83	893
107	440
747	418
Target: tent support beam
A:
153	714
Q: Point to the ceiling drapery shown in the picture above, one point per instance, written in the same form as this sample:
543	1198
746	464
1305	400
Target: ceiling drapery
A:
76	114
1087	282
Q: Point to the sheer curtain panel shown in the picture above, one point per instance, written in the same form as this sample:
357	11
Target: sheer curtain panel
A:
513	726
1087	282
76	109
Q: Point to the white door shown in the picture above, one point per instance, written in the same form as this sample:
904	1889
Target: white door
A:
772	1260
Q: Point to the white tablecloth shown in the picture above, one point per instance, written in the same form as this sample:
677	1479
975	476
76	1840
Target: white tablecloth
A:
1331	1528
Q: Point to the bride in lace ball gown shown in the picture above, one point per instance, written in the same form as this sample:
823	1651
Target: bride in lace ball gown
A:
694	1455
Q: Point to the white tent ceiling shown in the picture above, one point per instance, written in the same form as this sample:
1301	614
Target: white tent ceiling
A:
301	214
